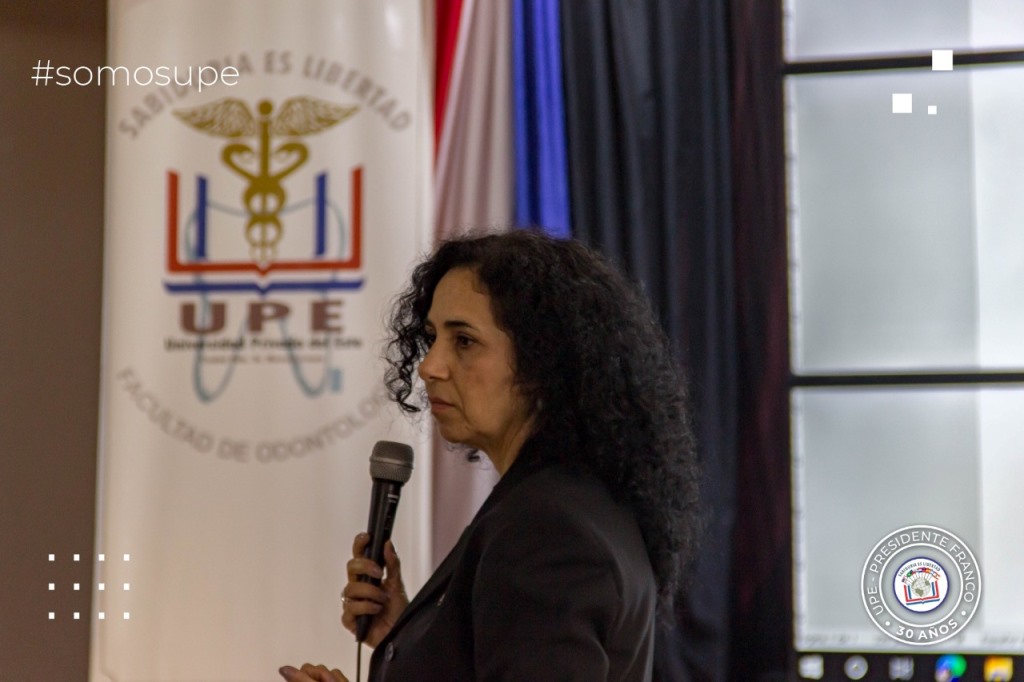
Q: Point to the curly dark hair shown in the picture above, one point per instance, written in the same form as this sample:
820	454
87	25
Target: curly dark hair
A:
590	353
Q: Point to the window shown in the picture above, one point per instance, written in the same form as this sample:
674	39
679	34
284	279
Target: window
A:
906	236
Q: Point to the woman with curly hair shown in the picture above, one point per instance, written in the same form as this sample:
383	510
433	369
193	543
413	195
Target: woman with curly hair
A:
540	354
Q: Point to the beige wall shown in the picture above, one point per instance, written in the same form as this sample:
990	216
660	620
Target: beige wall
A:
51	236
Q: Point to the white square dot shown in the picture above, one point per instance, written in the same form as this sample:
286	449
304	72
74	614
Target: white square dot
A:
77	586
52	587
127	557
53	557
77	557
942	60
103	616
76	615
932	110
902	103
103	557
102	587
126	615
53	615
127	587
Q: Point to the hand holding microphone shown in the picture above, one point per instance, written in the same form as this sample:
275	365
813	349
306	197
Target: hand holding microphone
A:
375	597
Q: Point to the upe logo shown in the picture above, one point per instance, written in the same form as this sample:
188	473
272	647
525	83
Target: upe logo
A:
921	585
241	245
260	248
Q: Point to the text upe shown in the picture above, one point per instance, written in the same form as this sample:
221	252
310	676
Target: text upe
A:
212	317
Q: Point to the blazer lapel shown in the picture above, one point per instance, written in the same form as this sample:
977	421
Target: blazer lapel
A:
437	582
527	462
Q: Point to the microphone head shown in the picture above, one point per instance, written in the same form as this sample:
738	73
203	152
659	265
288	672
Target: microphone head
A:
391	461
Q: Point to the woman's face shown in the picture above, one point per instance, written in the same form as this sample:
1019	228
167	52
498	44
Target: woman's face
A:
469	371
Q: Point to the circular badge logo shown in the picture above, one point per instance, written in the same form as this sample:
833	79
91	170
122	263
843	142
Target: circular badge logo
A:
921	585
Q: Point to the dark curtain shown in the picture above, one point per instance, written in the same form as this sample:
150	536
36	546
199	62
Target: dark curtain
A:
762	613
647	110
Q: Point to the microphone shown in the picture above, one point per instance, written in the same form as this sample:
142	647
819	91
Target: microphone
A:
390	468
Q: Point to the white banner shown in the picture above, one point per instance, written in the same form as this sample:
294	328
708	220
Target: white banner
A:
268	189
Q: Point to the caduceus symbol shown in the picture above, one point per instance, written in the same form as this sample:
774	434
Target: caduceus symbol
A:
265	166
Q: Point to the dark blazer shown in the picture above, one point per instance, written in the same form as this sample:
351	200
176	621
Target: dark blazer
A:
550	581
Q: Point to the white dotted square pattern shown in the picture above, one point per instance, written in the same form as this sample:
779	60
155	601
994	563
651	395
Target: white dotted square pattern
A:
77	615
